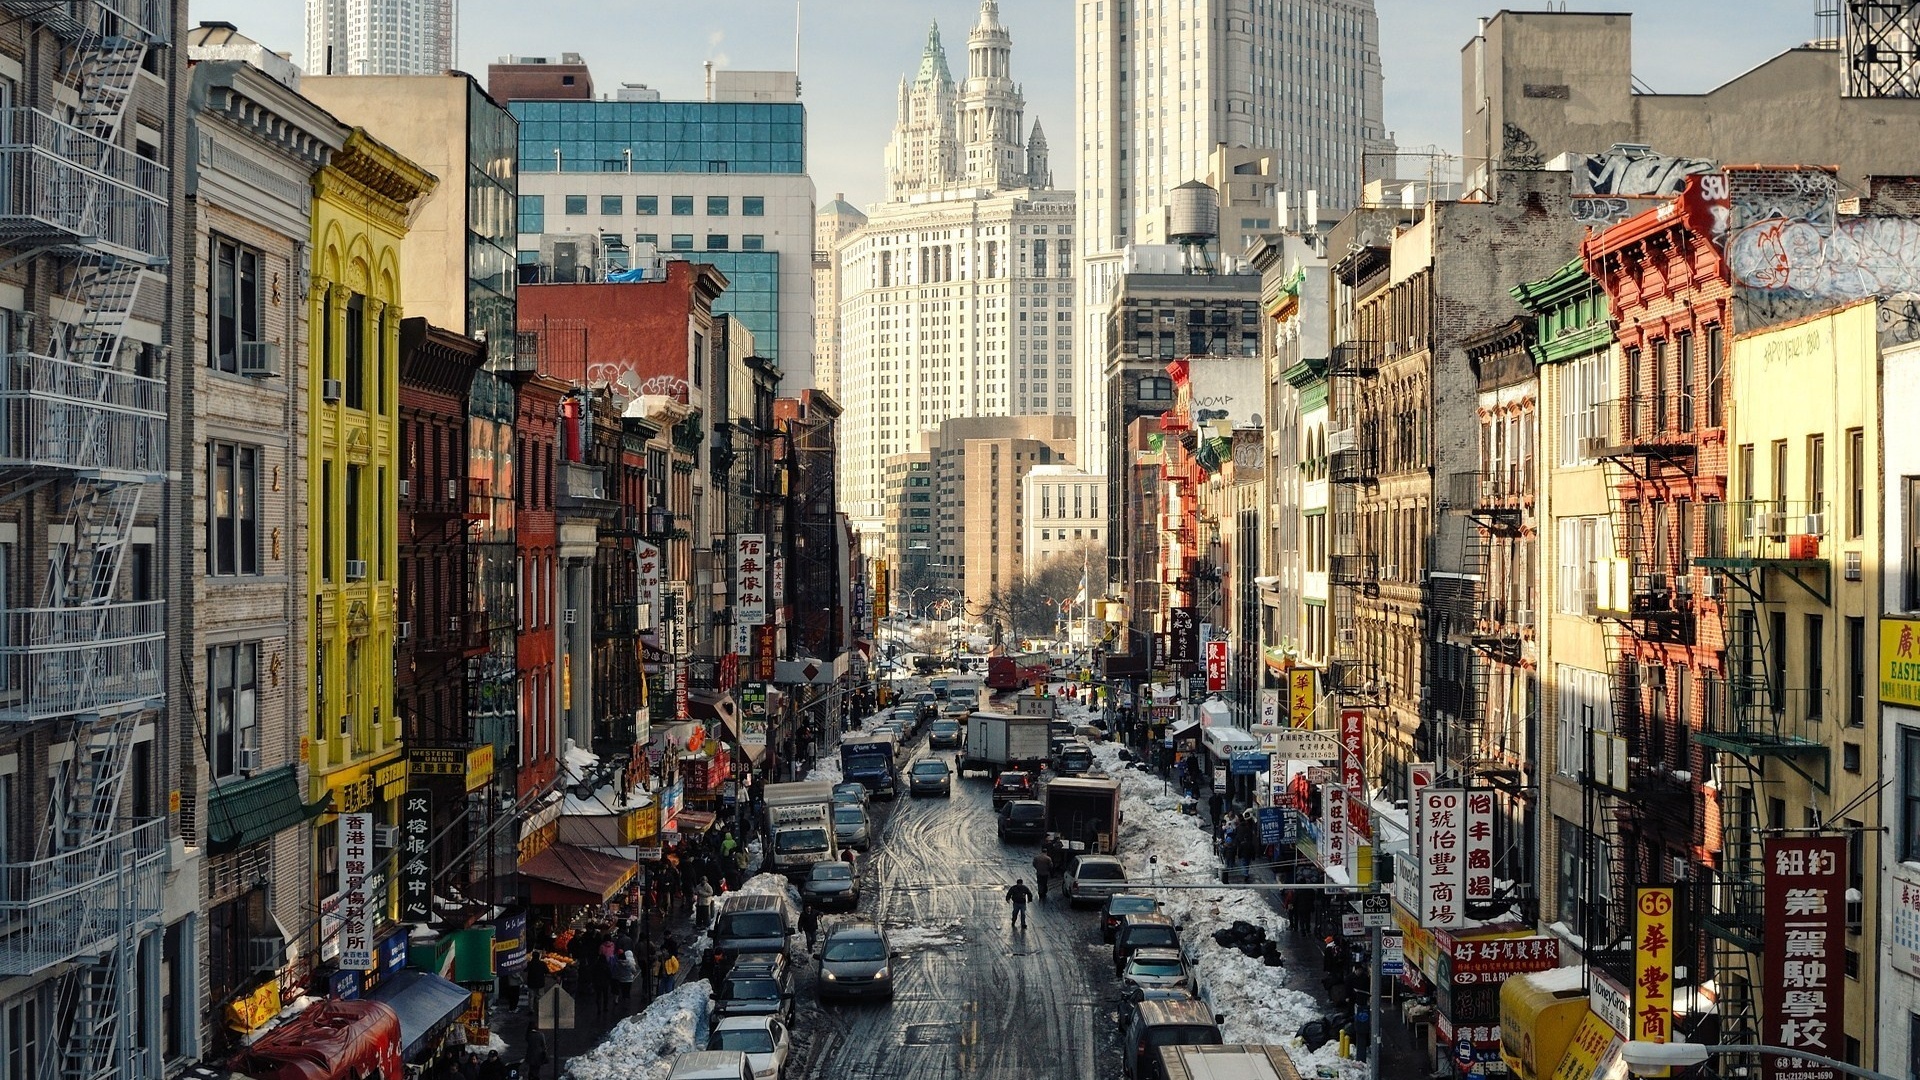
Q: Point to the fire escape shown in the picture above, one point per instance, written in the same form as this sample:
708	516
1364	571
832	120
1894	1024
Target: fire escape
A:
1353	462
84	426
1758	552
1480	627
1641	795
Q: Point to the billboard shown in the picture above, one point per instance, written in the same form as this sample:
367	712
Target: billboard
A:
1183	636
356	878
1442	836
750	572
1806	912
1654	921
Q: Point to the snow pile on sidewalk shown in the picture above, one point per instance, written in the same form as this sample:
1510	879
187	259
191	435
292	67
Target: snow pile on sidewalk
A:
642	1046
1254	999
826	769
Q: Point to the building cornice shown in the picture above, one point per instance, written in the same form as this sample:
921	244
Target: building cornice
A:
374	177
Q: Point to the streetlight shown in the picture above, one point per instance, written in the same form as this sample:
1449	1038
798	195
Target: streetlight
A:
1653	1055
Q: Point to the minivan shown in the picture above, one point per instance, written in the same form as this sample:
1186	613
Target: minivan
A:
1144	931
746	923
758	984
1157	1023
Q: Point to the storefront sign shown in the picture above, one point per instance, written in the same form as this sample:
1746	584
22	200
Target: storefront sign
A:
1442	863
1478	878
1496	960
767	651
1806	905
414	875
356	871
252	1009
1653	926
1216	666
751	568
475	1020
1904	899
777	594
1269	706
647	559
1183	636
1591	1042
1300	699
1900	661
1334	829
882	590
1298	744
1277	826
1247	763
1611	1003
1353	750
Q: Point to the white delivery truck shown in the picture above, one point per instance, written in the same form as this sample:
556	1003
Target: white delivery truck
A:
998	741
799	827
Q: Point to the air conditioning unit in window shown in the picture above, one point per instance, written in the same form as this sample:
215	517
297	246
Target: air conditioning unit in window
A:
266	953
1814	524
356	569
260	359
1389	571
386	836
1677	869
330	391
570	616
406	488
403	630
453	489
247	759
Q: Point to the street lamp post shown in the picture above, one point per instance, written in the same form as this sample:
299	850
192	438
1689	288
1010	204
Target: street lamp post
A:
1653	1055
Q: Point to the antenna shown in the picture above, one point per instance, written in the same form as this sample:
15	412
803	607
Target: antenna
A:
796	38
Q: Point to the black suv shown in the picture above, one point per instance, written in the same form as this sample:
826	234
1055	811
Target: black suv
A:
759	984
749	923
1144	931
1023	819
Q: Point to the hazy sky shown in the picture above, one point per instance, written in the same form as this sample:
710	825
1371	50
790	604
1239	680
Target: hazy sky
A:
853	53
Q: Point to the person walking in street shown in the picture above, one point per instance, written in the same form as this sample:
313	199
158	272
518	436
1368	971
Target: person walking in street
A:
622	971
1042	870
810	925
669	966
1018	895
536	1054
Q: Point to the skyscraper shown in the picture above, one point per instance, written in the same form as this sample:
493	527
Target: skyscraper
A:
380	37
1160	86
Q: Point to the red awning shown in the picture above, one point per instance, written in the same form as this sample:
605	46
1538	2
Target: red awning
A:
565	874
695	821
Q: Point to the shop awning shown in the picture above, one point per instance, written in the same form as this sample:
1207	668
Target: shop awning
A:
694	821
713	705
565	874
426	1004
243	812
1223	739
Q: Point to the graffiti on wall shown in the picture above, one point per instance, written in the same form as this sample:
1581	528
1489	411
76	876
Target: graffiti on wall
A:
1603	210
1899	319
625	383
1627	169
1791	255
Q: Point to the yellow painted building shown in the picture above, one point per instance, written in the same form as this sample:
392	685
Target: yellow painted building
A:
352	745
1795	561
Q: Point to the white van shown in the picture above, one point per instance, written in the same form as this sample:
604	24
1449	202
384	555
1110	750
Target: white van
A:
711	1065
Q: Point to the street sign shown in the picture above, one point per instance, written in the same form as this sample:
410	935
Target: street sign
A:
1350	925
1376	910
1393	954
1297	744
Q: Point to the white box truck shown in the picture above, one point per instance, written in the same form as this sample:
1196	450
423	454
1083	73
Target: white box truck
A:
999	741
799	827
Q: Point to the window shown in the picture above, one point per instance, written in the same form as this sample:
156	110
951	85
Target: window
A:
1585	708
533	213
753	242
1716	371
236	302
233	494
355	525
356	369
716	241
612	205
683	241
1584	542
719	206
576	204
646	205
1584	392
647	238
231	694
1910	572
683	206
1743	473
1816	474
1683	346
753	206
1856	483
1779	476
1856	672
1909	794
1816	681
1155	388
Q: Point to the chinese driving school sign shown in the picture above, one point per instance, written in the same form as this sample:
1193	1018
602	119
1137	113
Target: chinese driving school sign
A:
1806	887
1653	927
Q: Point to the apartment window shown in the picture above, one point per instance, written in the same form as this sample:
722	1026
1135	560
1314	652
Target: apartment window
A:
1856	672
753	206
233	501
753	242
232	691
1660	388
1777	654
1716	371
1909	794
237	303
1634	393
1585	391
1910	572
1816	474
355	525
1856	483
1584	541
1155	388
1683	402
716	241
1743	473
719	206
576	204
1780	476
326	523
612	205
1585	708
356	370
647	238
683	206
1816	682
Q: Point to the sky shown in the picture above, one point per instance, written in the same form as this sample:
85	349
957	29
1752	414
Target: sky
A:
854	52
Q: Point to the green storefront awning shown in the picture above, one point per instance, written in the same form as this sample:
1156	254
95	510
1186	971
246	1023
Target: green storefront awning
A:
243	812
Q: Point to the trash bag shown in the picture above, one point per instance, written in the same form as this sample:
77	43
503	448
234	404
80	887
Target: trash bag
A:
1316	1034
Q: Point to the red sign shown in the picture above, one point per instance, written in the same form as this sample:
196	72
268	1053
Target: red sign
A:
1806	907
1216	666
1484	962
766	649
1353	767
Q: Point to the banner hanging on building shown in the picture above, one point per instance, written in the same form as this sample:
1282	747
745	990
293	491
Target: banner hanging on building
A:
1806	906
1216	665
1334	830
1478	879
356	873
1269	707
1300	700
647	559
750	573
414	877
1442	868
1653	928
1183	636
777	590
882	583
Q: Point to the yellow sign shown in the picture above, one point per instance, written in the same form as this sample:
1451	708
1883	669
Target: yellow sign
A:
1653	926
249	1011
1300	696
479	767
1591	1043
356	787
881	582
1900	661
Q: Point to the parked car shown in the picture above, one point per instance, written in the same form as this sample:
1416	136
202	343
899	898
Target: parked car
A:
1074	759
1156	1023
831	885
1023	819
1144	931
1094	877
856	961
1156	969
711	1065
759	984
851	826
1121	905
944	735
930	776
763	1039
749	923
851	794
1012	785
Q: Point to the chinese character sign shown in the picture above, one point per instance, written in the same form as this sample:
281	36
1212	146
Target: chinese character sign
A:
1903	899
1806	905
356	876
1353	766
1333	831
777	592
1443	828
1653	928
1300	696
1269	707
414	877
882	590
1216	666
1479	846
752	569
647	558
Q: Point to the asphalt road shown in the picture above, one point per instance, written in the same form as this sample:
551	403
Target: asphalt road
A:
989	1002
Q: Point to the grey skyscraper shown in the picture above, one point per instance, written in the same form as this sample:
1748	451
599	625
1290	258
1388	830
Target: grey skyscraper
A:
380	37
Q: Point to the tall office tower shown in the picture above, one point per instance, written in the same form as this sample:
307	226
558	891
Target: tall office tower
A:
380	37
954	297
1160	85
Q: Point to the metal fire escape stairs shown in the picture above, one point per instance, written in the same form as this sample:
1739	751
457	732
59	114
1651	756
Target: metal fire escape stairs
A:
82	423
1351	571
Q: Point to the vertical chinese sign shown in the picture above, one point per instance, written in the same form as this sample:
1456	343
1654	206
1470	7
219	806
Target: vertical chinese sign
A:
1300	697
750	572
1353	770
356	869
1806	904
1653	927
1216	665
1442	869
1334	831
647	561
1478	879
414	878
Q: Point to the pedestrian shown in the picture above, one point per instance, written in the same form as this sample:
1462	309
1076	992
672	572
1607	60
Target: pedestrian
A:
703	902
596	983
470	1065
810	925
850	858
622	973
1018	895
1042	869
536	1053
669	968
643	962
1216	803
494	1069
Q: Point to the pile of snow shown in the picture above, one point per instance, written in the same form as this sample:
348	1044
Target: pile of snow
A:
827	768
912	938
1255	1001
642	1046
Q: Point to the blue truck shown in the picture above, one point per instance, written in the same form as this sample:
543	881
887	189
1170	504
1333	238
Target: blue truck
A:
868	759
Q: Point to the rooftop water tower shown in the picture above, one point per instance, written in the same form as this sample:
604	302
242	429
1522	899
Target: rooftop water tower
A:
1193	222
